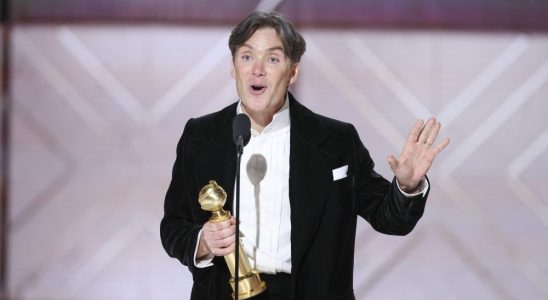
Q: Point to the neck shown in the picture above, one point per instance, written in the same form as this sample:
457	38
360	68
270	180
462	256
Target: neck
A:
259	120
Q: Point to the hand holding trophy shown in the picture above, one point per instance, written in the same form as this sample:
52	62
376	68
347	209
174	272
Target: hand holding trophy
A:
212	198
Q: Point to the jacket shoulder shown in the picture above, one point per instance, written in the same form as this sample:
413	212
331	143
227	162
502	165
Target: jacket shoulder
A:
336	127
215	119
314	124
202	129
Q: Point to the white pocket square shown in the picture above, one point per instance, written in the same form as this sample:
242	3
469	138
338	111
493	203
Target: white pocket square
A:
340	173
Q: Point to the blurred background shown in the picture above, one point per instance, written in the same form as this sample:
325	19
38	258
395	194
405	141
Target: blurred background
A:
95	95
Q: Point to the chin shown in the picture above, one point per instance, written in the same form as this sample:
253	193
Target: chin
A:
255	104
257	108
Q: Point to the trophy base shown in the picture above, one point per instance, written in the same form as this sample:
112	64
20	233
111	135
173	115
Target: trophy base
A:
249	285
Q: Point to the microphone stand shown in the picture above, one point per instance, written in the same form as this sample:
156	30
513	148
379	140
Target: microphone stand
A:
240	151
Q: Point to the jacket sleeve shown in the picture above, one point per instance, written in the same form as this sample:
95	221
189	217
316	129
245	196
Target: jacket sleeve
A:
178	229
379	201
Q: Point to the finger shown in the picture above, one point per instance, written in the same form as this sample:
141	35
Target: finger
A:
216	226
220	234
223	243
393	162
433	134
215	245
415	131
229	231
441	146
225	251
426	130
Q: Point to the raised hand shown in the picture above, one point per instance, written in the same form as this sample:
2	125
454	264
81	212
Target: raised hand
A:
417	155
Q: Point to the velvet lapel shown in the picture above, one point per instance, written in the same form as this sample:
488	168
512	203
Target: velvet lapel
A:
215	154
309	177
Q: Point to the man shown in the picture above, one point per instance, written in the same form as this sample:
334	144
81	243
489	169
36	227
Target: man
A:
308	178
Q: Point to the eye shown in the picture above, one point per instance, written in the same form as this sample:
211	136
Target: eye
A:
273	59
245	57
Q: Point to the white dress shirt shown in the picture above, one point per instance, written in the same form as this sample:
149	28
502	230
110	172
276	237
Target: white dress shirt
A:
264	196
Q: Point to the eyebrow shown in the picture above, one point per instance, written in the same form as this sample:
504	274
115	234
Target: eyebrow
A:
269	49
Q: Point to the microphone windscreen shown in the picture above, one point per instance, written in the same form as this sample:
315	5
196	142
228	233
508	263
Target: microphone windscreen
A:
241	127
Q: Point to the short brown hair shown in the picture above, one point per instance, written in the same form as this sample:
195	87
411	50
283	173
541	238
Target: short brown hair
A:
293	42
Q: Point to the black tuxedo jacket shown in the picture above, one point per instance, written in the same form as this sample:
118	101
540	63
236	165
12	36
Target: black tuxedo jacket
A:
323	210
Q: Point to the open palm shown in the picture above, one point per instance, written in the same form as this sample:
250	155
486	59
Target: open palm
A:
417	155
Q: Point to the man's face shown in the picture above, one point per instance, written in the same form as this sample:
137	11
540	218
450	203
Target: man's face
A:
263	72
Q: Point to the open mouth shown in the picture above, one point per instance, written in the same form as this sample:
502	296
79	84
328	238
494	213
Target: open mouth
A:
257	89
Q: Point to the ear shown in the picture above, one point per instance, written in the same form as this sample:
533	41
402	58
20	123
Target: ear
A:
232	70
294	73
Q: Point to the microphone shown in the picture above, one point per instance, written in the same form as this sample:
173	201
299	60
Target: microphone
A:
241	133
241	130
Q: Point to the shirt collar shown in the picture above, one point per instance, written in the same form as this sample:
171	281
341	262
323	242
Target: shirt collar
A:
279	121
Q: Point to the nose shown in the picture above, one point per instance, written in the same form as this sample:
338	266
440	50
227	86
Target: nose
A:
258	68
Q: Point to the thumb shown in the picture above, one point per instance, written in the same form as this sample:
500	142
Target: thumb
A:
393	162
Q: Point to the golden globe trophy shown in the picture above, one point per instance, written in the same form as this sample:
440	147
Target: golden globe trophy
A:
212	198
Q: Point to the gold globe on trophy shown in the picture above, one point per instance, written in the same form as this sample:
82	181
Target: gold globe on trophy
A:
212	198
